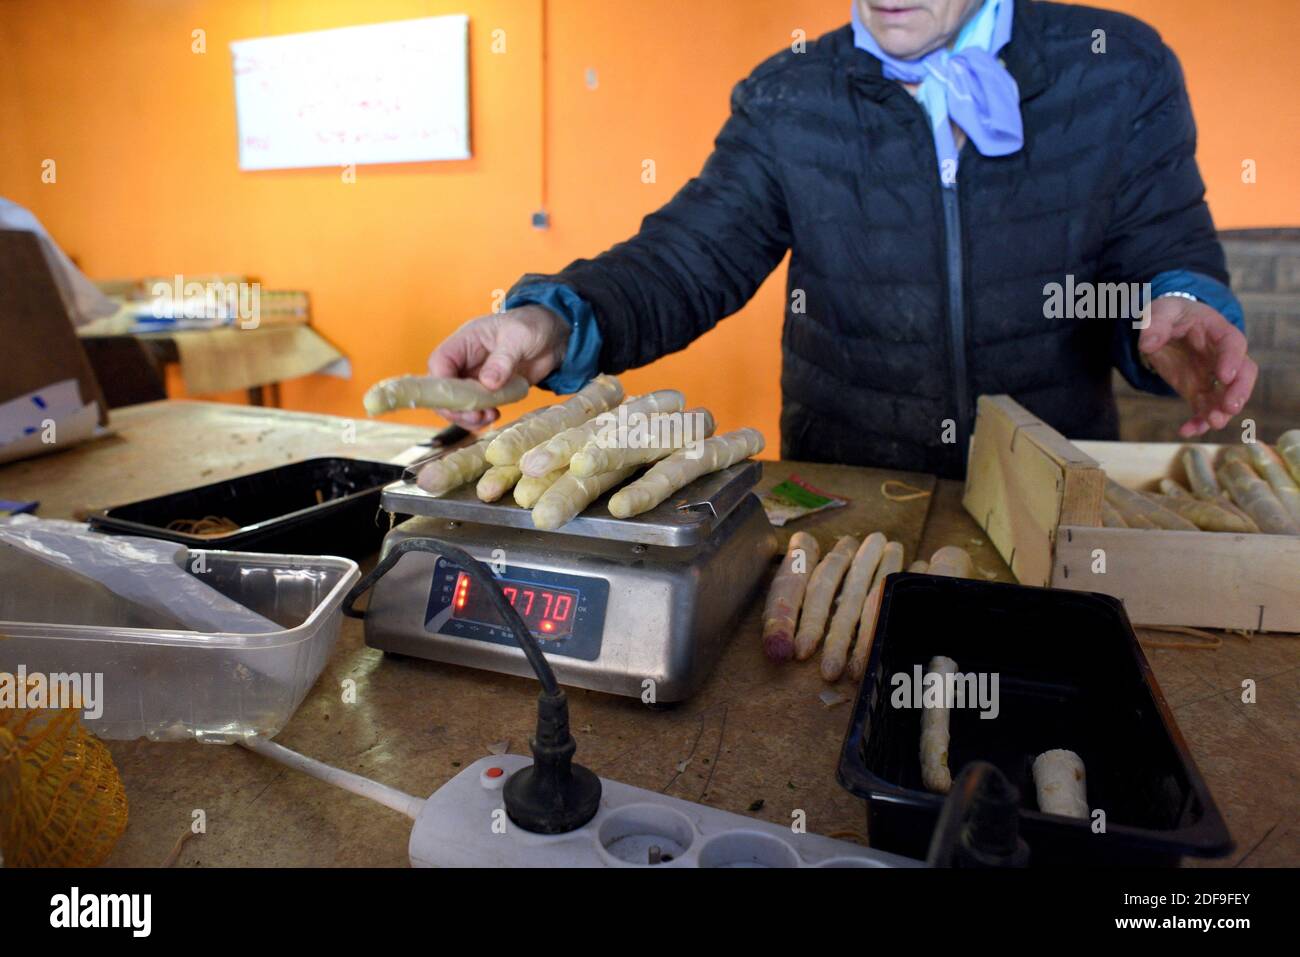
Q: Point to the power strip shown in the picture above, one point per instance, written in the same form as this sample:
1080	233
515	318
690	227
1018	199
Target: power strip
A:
464	824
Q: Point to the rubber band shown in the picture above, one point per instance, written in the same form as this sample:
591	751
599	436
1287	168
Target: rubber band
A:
849	835
911	494
208	526
175	855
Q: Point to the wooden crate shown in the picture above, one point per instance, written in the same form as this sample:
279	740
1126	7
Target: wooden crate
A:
1038	496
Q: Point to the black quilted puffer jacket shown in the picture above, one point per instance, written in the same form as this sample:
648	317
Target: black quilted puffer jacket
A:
907	300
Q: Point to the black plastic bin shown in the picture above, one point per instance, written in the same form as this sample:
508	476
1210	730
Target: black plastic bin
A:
1071	675
323	506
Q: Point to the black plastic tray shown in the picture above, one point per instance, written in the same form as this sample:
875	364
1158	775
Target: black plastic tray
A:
322	506
1071	675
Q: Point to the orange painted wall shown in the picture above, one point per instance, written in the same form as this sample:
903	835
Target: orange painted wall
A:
143	131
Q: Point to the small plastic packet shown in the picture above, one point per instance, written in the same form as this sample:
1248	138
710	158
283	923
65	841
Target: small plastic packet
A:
795	498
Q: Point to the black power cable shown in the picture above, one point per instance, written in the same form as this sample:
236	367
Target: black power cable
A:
553	795
482	577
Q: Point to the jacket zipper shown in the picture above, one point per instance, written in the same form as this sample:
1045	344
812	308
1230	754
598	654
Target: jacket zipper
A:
956	306
955	267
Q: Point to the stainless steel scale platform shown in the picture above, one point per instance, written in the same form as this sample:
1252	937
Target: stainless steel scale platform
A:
639	607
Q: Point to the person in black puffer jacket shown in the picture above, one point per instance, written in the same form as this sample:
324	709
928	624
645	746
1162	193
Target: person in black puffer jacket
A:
935	256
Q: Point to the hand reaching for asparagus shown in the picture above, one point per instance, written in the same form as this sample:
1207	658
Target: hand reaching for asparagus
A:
1203	357
529	341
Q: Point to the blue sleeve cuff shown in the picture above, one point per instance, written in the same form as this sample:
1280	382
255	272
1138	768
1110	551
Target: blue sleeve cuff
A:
1205	288
582	359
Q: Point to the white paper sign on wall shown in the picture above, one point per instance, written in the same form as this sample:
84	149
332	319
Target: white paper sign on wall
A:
386	93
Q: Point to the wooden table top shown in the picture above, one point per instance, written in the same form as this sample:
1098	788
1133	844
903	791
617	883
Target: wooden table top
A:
758	739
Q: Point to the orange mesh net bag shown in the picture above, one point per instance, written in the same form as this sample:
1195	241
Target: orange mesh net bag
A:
62	803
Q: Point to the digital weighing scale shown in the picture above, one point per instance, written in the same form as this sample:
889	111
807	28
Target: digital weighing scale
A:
639	607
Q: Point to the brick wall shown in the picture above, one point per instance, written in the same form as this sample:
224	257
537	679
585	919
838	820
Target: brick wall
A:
1265	267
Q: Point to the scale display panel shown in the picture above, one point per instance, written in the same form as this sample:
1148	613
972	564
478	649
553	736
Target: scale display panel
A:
548	612
566	613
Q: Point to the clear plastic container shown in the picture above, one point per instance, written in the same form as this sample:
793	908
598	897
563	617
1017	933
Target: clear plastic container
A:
167	684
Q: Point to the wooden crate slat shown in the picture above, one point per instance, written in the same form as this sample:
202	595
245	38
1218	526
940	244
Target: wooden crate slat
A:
1022	479
1220	581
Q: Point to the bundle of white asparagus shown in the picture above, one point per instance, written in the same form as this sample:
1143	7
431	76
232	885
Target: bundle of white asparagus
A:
834	603
560	459
1254	488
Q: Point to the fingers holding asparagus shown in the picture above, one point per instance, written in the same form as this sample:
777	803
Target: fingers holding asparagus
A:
431	392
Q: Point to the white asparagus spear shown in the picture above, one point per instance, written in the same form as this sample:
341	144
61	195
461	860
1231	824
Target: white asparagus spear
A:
530	488
601	393
1110	517
1211	516
781	613
1171	488
565	500
934	732
1272	470
624	447
496	481
952	561
1128	515
890	562
457	467
848	610
682	468
1232	452
1225	502
1205	487
1256	498
1288	446
1136	509
460	466
1200	474
556	451
1060	781
822	586
429	392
